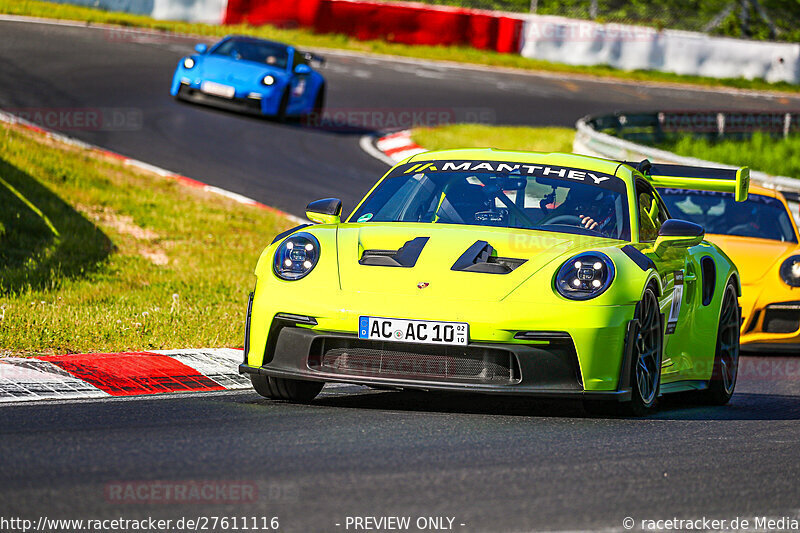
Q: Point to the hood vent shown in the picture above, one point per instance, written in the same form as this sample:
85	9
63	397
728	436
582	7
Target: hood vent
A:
479	258
405	257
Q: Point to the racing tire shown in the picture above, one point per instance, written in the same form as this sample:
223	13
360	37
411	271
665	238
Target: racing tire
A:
289	390
178	97
284	104
645	367
313	118
726	355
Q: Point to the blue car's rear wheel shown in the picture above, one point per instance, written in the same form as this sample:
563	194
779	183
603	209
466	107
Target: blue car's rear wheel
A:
319	102
282	106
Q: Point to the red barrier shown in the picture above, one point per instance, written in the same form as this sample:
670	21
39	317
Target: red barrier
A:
509	35
405	23
399	24
281	13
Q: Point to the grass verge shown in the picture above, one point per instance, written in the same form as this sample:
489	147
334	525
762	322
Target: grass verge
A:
780	157
96	256
306	38
500	137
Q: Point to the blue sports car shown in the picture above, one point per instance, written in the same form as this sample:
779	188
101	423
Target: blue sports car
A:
252	75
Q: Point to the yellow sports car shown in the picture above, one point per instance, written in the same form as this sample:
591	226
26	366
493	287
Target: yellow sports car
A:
761	237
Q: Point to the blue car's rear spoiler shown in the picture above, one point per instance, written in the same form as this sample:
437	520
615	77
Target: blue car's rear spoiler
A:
314	58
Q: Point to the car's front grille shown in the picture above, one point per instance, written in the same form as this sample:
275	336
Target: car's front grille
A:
782	318
247	104
416	362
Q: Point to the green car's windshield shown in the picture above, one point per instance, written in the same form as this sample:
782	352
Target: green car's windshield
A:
546	198
760	216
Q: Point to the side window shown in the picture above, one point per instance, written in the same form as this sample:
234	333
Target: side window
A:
663	214
651	213
299	58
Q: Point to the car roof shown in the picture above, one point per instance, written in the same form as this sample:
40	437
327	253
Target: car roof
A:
250	39
763	191
753	189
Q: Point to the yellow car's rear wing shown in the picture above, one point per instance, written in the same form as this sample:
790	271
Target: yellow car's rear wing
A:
700	178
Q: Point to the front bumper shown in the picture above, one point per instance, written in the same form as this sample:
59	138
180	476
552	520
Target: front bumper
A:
772	318
548	368
242	104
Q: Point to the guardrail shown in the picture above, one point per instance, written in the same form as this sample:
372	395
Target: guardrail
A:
620	136
630	47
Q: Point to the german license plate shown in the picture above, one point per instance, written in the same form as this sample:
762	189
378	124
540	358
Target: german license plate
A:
418	331
217	89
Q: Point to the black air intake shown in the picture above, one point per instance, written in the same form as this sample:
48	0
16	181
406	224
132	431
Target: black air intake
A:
461	364
405	257
782	318
480	258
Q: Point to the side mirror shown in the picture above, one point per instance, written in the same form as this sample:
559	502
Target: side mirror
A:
302	69
676	233
327	211
200	48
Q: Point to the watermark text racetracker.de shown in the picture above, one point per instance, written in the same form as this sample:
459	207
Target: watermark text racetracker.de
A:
44	524
82	118
202	492
704	523
389	119
565	31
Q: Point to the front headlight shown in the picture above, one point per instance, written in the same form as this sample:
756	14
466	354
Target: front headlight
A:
585	276
268	80
188	63
296	256
790	271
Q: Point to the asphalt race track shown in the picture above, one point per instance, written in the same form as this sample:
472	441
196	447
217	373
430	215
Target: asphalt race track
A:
46	67
492	464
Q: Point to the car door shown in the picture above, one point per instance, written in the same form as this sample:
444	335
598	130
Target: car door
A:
672	267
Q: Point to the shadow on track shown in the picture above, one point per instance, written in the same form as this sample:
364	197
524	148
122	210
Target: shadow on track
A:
455	403
676	407
743	406
333	123
43	240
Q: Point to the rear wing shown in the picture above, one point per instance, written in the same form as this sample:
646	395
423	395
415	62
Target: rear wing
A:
314	58
701	178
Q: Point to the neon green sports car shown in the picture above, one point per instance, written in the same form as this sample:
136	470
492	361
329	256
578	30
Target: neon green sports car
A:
552	275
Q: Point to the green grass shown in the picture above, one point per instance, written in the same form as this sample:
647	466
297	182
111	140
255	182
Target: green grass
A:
95	256
762	152
500	137
306	38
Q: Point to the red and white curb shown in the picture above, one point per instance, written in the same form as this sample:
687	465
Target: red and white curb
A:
98	376
94	376
10	118
392	148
